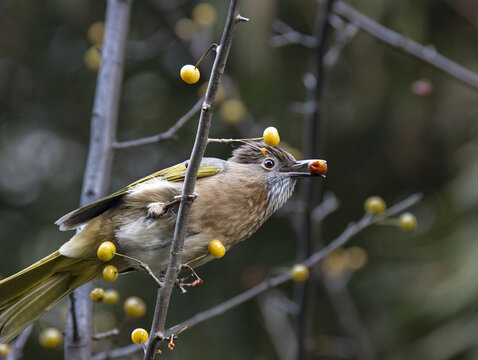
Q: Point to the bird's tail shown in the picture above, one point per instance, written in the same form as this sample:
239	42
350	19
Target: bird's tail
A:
25	296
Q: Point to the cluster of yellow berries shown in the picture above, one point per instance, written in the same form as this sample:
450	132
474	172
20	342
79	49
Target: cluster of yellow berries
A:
342	261
92	57
106	252
376	205
109	296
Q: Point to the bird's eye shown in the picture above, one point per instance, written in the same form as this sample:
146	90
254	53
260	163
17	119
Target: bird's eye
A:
269	163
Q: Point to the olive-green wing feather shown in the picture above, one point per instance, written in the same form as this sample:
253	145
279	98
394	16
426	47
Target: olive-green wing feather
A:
174	173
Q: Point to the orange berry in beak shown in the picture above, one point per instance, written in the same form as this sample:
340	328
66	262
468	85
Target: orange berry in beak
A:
318	167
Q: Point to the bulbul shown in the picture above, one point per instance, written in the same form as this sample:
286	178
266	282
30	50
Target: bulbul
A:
234	199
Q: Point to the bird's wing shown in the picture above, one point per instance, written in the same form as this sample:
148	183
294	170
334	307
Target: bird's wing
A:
174	173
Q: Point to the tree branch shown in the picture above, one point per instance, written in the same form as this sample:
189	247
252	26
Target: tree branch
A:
100	156
308	236
164	294
351	230
409	46
170	133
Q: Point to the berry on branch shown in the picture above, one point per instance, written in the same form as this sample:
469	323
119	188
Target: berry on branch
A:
271	136
190	74
139	336
299	272
106	251
110	273
134	307
50	338
216	249
374	205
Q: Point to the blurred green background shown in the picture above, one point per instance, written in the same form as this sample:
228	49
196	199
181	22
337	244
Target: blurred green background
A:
416	294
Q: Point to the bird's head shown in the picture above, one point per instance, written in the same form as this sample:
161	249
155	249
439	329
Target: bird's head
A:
278	169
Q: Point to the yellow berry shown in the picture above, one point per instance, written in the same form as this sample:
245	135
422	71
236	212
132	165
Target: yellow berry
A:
4	349
50	338
96	32
110	273
271	136
92	58
233	111
106	251
299	272
185	29
111	296
356	257
204	14
97	295
374	205
335	264
134	306
139	336
190	74
407	221
216	248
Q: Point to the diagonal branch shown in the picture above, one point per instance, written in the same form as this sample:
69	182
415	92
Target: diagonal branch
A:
168	134
409	46
351	230
164	294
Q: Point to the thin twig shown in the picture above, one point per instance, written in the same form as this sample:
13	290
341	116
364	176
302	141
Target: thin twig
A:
112	332
164	294
287	35
100	157
169	134
230	141
144	266
352	229
409	46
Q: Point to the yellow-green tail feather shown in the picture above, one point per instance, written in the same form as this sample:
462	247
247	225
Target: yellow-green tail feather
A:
25	296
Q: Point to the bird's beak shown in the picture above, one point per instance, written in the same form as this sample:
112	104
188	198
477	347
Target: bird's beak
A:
305	168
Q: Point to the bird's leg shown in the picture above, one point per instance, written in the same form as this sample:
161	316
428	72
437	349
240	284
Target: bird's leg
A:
180	283
158	209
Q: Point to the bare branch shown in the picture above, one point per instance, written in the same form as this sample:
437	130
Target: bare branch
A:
351	230
117	353
164	294
409	46
169	134
106	334
290	36
78	335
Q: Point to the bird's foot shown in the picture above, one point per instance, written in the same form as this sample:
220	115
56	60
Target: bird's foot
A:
191	197
181	283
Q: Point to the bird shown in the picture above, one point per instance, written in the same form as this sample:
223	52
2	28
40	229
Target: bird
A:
234	197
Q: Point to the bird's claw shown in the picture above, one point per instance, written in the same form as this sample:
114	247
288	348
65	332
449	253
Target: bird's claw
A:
181	284
192	197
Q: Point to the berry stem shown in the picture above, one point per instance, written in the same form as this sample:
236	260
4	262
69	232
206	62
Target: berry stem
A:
144	266
213	46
